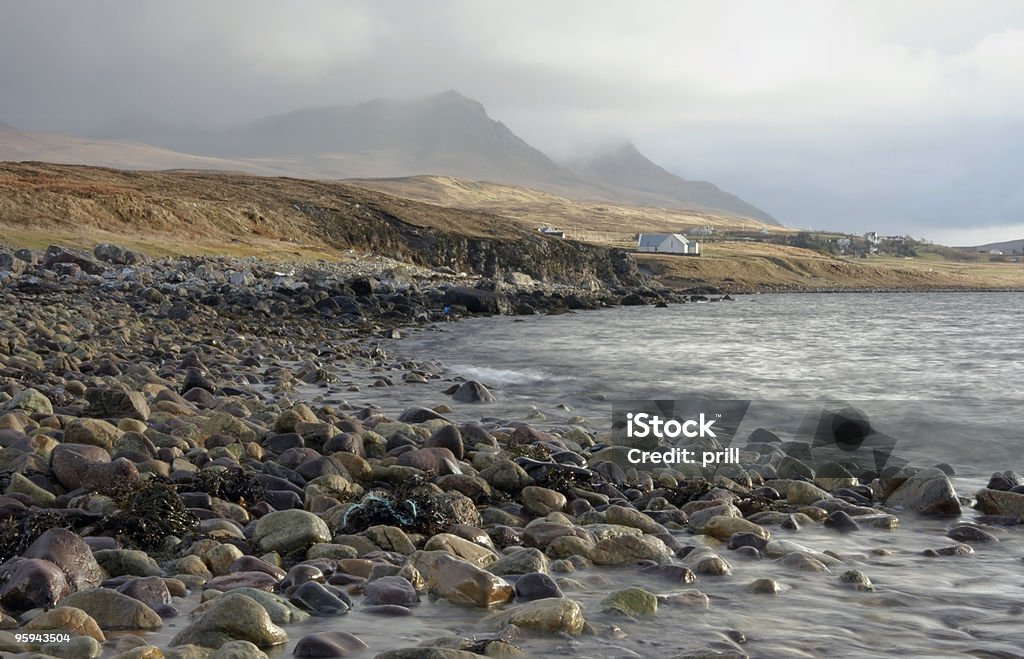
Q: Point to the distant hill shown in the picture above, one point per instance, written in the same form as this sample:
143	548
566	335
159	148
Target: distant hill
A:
1006	247
446	134
18	146
625	167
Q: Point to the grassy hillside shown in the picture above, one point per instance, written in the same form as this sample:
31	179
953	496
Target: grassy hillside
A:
590	220
183	212
759	266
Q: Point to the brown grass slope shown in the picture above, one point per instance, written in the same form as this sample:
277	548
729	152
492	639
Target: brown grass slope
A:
176	211
743	266
534	208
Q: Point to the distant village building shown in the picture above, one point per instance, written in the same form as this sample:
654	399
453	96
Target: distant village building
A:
844	244
873	241
667	243
706	230
552	231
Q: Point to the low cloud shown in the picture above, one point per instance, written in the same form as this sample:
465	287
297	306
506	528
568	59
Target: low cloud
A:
899	117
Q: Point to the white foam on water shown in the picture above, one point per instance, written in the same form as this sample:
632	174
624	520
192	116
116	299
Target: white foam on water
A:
499	376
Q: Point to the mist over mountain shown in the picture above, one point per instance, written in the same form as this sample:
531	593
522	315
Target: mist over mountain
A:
623	166
444	134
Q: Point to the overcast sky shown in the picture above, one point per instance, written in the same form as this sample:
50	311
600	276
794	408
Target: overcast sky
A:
902	117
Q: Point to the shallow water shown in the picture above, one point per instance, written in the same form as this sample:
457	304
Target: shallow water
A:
943	374
940	373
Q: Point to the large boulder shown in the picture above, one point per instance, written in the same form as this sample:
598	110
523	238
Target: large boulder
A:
461	582
627	549
56	254
116	404
232	617
472	391
289	530
71	554
477	301
113	610
30	401
928	492
1000	502
30	583
552	615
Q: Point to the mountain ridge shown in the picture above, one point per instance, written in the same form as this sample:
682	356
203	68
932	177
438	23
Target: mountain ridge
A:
444	134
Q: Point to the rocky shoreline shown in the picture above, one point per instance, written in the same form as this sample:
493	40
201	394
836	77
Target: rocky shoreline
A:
177	452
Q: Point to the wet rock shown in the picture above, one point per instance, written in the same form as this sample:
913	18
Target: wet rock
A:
540	501
927	492
132	562
436	460
972	534
1004	481
551	615
71	554
449	437
288	530
507	476
461	548
329	644
699	518
280	610
704	560
802	493
955	550
754	540
390	590
626	549
857	579
765	586
390	538
151	591
670	573
723	527
66	619
113	610
461	582
30	583
633	602
319	600
232	617
472	391
536	585
476	300
418	414
842	522
523	561
625	516
427	653
1000	502
257	580
78	647
238	650
799	561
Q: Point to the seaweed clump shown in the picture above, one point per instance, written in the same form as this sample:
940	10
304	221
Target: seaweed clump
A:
409	506
687	491
149	512
235	485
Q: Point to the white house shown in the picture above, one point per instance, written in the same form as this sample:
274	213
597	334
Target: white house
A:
667	243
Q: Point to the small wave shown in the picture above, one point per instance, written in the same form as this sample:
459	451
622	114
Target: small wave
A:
499	376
